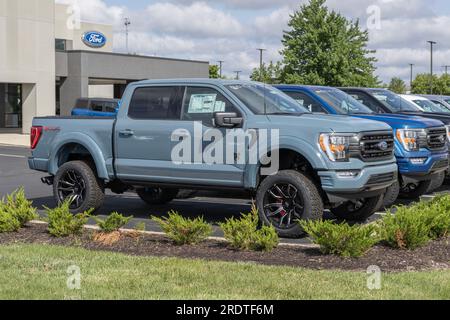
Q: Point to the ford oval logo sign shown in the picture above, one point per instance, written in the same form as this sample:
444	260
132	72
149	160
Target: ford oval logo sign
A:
383	146
94	39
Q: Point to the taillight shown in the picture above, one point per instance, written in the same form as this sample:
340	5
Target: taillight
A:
35	136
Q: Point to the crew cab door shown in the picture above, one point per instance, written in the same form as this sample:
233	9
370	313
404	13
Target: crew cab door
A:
143	135
160	118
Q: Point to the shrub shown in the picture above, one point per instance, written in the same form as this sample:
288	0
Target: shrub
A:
62	223
15	211
113	222
21	207
342	239
184	231
437	215
8	223
243	233
409	228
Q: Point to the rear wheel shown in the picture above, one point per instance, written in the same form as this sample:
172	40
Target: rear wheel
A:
414	191
77	181
358	210
157	196
285	198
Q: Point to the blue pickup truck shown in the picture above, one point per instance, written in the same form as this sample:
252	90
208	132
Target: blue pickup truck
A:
324	161
420	143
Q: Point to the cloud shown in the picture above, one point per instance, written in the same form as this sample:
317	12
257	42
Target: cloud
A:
231	30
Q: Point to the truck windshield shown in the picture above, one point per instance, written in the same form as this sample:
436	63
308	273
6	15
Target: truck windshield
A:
342	102
262	99
394	102
429	106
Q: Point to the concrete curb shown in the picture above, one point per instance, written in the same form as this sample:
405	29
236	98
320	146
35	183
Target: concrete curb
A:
154	233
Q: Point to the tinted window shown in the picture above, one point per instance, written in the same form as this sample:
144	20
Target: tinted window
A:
97	106
200	104
367	101
306	102
393	101
82	104
156	103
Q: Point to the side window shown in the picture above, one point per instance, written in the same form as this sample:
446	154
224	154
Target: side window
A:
82	104
365	100
96	106
162	103
200	104
109	107
306	101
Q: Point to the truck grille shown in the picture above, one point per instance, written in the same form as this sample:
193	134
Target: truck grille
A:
436	138
374	146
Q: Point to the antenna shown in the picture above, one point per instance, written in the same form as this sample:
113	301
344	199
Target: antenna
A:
127	23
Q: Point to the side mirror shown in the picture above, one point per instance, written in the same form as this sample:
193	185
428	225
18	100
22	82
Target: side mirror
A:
227	119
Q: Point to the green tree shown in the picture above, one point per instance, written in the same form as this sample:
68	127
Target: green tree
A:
421	84
397	85
322	47
270	73
214	72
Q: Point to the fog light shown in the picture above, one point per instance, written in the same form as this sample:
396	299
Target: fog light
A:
418	161
348	174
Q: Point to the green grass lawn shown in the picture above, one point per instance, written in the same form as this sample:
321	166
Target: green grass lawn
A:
40	272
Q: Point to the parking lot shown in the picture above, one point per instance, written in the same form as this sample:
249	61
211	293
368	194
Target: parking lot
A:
14	173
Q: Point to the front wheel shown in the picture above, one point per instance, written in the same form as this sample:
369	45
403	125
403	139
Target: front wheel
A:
285	198
358	210
77	181
437	182
414	191
391	194
157	196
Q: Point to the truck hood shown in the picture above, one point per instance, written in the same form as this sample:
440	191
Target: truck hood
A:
444	117
401	121
325	123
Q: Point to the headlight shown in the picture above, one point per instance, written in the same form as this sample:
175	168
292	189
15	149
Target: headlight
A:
335	146
410	138
448	133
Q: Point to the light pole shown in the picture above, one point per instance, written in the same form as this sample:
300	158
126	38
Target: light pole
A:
127	24
261	52
237	74
411	65
446	69
220	68
432	43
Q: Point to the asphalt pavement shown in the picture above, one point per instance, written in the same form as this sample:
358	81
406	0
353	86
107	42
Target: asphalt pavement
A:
14	173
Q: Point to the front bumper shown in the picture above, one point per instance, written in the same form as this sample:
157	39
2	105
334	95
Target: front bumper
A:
371	181
410	172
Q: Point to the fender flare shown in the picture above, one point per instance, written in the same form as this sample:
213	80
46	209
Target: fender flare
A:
88	143
298	145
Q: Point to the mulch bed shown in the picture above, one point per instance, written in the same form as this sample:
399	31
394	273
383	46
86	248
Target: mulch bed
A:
434	256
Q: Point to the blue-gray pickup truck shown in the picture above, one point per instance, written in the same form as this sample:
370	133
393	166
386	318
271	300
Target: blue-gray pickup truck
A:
323	161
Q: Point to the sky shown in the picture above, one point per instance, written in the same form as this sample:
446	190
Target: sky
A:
232	30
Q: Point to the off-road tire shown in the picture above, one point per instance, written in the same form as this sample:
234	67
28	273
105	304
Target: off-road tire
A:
95	194
313	204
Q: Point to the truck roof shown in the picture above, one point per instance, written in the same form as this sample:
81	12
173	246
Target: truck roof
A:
188	81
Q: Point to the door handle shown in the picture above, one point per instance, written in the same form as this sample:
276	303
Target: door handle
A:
126	133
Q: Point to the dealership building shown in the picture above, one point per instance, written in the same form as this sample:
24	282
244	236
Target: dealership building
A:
47	62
